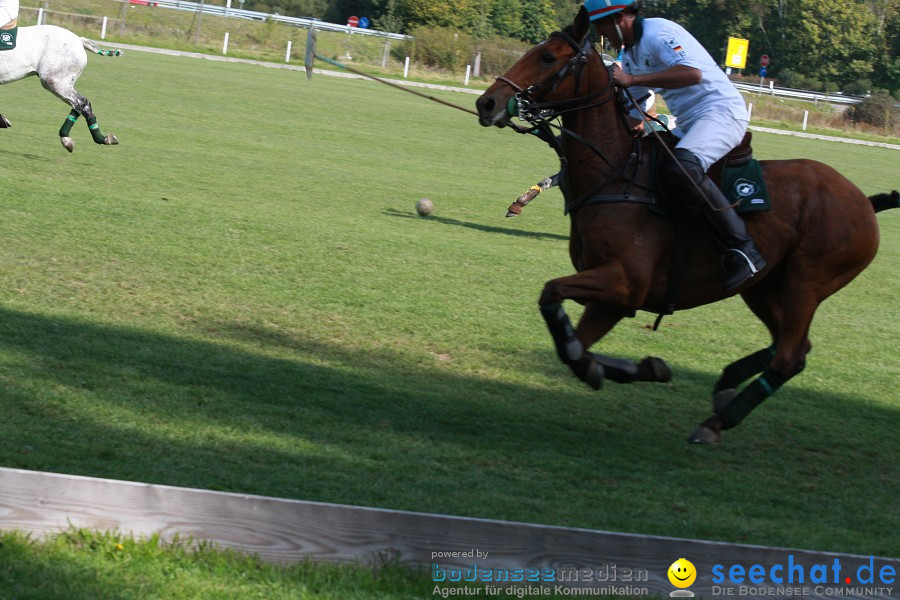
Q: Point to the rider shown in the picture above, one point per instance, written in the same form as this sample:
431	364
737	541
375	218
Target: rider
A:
9	14
662	56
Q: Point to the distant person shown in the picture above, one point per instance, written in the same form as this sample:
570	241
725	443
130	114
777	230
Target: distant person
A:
662	56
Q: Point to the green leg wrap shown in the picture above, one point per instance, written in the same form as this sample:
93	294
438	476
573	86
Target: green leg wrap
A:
751	397
743	369
67	124
95	129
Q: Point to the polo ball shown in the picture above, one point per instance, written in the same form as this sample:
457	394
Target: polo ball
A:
424	207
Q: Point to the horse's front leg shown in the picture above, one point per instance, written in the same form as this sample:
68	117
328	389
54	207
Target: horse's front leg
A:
607	301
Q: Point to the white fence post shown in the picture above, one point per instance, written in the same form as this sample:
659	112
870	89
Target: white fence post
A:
406	67
749	110
287	55
103	29
40	16
468	72
225	44
805	117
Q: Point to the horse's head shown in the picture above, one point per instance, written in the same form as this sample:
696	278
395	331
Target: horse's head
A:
556	70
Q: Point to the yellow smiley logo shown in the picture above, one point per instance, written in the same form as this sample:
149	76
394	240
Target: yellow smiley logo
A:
682	573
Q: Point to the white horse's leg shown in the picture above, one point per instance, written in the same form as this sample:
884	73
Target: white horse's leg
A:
80	106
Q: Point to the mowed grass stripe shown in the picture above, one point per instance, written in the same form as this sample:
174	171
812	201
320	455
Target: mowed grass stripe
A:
240	297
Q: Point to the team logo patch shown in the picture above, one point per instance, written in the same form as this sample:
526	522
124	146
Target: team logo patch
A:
744	188
6	39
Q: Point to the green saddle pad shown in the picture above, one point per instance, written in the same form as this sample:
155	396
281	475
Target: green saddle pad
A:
745	184
8	38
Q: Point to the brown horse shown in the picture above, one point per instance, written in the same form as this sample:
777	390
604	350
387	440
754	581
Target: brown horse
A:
819	235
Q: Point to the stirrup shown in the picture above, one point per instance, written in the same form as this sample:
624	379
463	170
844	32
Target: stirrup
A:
743	267
753	268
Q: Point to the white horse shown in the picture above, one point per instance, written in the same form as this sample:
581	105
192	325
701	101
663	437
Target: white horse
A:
57	56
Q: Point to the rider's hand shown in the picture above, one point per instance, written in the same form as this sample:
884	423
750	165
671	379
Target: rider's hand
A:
621	78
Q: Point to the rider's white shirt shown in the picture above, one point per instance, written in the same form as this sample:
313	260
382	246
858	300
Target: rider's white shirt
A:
665	44
9	10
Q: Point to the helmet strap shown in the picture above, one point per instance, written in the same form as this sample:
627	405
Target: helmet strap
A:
619	32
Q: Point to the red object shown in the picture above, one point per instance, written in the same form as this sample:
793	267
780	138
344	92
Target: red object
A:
764	60
353	21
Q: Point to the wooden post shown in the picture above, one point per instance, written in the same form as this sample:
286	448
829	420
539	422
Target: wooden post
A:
122	18
199	19
385	54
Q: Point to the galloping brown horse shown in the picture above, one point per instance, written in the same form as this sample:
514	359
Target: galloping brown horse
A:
819	235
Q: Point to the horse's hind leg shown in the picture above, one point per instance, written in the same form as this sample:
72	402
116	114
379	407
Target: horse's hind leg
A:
789	325
738	372
80	106
4	122
67	142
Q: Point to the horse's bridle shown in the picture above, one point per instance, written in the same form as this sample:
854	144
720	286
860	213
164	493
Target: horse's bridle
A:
527	100
540	114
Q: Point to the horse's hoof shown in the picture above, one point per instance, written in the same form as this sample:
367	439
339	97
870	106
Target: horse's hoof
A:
68	143
110	140
589	371
721	398
704	435
595	375
4	122
655	369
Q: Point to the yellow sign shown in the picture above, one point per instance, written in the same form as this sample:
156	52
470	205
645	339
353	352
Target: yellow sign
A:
736	55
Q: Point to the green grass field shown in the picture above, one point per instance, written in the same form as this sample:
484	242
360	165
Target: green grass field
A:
240	297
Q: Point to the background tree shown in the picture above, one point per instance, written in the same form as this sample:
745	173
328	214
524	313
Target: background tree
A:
818	44
539	20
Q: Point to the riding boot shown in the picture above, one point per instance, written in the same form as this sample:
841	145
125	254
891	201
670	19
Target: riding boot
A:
741	259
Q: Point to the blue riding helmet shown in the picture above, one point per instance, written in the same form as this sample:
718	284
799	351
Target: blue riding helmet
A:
598	9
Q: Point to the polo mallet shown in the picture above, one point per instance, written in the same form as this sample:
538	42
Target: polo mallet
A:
311	55
516	207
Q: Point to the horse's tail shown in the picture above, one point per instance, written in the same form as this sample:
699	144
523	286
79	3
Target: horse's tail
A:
882	202
92	47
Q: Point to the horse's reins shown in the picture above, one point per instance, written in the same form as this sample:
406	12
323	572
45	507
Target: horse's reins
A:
647	119
540	114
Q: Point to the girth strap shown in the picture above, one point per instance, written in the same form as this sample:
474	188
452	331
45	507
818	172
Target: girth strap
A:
686	234
613	198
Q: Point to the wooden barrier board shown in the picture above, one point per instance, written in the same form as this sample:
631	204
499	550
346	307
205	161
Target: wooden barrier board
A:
288	531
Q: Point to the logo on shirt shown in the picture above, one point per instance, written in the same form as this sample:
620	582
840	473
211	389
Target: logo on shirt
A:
675	46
